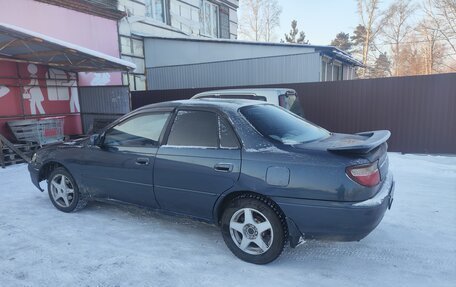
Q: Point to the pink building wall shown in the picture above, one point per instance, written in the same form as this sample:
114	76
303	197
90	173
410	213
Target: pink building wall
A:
81	29
85	30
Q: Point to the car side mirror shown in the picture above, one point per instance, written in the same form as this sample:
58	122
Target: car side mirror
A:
94	140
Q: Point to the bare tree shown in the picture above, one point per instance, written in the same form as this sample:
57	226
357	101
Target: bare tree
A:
396	28
271	15
259	19
433	51
369	14
442	17
411	58
251	26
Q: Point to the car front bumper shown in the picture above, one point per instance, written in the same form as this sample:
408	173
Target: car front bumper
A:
339	221
34	175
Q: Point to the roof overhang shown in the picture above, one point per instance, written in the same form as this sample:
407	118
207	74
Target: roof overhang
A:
340	55
106	9
21	45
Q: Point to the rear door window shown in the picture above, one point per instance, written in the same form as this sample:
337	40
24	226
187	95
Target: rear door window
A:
194	129
201	129
227	135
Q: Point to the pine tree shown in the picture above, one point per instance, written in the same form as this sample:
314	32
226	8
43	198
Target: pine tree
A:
291	37
359	36
342	41
382	66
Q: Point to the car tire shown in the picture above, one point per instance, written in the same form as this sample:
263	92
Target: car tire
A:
64	192
254	229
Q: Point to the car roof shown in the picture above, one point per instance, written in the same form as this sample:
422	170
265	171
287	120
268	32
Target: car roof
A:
226	104
259	92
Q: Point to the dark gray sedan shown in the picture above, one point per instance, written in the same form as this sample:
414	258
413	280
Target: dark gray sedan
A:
262	173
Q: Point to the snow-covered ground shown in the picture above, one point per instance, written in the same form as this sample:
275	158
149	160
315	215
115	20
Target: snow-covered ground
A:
111	245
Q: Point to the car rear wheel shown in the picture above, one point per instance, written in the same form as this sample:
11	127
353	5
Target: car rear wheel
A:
63	191
254	229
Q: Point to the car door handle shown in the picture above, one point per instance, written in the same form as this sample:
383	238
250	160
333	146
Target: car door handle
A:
225	167
142	161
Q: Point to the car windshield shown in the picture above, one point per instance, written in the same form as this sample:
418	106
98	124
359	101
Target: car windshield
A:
278	124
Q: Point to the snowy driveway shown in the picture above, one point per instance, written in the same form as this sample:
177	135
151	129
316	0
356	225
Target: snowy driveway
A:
110	245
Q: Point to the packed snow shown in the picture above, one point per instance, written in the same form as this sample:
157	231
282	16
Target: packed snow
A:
118	245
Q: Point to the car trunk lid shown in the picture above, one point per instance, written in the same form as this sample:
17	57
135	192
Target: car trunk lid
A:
359	149
360	143
368	145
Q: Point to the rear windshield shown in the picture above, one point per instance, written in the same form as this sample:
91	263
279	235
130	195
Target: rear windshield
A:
285	127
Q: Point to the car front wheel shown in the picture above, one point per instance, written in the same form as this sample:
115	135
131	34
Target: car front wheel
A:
254	229
63	191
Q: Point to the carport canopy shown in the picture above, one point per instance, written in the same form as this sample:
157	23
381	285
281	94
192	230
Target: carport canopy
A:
21	45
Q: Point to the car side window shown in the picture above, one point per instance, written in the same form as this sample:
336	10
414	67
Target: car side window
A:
227	136
194	128
142	130
202	129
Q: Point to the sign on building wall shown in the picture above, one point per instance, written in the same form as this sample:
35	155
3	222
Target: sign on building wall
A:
30	90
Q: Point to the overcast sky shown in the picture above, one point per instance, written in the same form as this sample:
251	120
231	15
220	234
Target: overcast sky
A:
321	20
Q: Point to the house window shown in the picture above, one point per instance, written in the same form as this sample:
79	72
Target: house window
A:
156	10
337	73
209	19
131	46
329	72
323	71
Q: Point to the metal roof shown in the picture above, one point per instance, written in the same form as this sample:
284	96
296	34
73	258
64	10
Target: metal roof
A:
22	45
330	51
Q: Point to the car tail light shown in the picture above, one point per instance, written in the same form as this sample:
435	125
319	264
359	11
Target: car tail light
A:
367	175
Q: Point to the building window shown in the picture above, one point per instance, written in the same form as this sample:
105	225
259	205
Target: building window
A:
156	9
209	19
337	73
131	46
323	71
329	72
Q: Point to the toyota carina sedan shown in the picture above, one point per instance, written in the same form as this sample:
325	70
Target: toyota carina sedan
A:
263	174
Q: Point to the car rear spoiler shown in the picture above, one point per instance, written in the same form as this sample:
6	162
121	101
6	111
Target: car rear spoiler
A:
372	141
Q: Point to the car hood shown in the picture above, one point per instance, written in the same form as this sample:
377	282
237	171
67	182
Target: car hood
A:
67	144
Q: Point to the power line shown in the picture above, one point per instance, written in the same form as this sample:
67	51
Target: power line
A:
412	42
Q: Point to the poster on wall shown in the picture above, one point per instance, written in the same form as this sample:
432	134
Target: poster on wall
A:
30	90
48	90
10	101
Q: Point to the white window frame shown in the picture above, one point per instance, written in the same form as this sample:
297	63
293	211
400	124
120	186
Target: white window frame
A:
337	76
131	48
329	65
150	10
202	18
323	71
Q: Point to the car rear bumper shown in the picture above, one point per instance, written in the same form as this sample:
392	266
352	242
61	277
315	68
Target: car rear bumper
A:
34	175
339	221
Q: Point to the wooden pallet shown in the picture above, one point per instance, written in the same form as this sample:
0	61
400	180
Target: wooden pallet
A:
15	153
12	162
